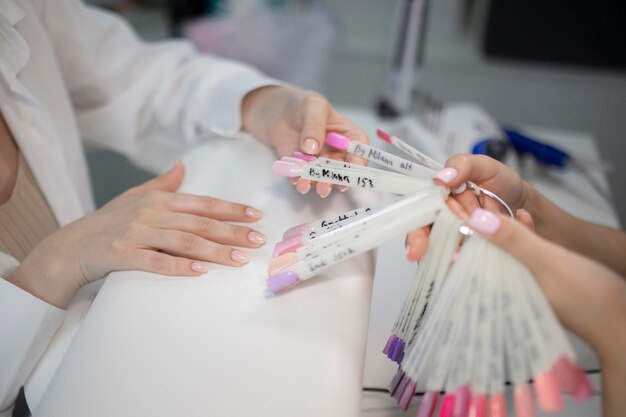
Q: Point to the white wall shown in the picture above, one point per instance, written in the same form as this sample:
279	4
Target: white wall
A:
565	98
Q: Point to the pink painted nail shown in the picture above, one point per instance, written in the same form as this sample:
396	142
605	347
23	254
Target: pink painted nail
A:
548	393
253	213
311	146
257	238
446	175
199	267
239	256
524	406
484	221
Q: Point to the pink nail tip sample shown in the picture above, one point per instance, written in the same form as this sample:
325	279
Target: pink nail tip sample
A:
288	245
548	392
497	405
287	169
523	399
293	160
383	135
337	141
303	156
447	406
298	230
462	403
428	404
282	281
478	406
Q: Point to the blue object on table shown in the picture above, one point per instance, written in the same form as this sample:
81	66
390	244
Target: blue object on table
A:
544	153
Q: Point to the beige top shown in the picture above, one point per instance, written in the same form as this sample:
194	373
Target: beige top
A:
26	219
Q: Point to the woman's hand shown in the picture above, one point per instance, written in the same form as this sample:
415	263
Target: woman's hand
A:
588	298
291	119
150	228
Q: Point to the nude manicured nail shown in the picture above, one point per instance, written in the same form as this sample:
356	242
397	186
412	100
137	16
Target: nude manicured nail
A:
324	189
311	146
484	221
239	256
257	238
253	213
303	186
199	267
446	175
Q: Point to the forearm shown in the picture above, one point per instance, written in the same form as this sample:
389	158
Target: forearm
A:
603	244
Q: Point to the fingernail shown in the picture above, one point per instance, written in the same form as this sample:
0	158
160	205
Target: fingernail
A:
460	188
253	213
324	189
446	175
311	146
484	221
293	180
303	186
239	256
199	267
257	238
343	188
408	253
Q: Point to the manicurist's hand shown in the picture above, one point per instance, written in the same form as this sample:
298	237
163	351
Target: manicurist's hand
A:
588	297
149	228
292	119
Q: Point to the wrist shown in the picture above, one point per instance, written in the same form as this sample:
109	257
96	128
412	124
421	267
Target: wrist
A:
45	279
252	114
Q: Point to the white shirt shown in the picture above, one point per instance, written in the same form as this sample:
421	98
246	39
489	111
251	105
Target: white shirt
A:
71	74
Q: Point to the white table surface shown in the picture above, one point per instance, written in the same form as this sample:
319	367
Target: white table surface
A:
217	345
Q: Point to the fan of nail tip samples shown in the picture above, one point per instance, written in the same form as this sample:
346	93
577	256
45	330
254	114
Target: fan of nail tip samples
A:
474	319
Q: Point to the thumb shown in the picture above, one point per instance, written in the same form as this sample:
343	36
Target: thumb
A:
170	181
315	116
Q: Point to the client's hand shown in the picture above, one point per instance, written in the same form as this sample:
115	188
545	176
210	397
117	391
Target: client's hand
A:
291	119
588	298
150	228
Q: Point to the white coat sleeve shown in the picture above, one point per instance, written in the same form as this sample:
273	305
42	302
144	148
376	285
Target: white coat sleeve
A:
148	101
27	325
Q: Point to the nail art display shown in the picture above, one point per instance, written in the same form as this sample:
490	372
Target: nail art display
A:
474	318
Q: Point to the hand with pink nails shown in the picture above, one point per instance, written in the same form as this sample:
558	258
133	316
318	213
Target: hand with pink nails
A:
151	228
588	298
600	243
291	119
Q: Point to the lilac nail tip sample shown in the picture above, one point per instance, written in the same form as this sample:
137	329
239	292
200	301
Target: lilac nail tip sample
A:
388	344
337	141
282	281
